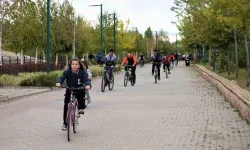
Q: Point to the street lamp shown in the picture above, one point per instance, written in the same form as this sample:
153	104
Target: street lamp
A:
173	22
48	36
114	19
101	37
156	38
176	42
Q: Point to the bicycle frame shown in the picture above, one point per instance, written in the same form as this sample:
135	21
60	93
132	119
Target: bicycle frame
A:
73	102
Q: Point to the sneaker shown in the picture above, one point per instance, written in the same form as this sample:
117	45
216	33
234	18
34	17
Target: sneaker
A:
89	100
64	127
169	72
110	80
159	78
81	111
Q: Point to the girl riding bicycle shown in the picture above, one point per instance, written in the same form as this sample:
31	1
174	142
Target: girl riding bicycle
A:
75	77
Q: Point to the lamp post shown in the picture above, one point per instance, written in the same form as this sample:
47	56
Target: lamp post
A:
101	28
114	19
156	39
48	36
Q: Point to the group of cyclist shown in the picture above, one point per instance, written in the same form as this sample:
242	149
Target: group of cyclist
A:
77	74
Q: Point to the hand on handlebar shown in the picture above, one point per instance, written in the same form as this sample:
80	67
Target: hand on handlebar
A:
58	84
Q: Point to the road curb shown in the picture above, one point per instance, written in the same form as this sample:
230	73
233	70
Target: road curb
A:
9	98
238	97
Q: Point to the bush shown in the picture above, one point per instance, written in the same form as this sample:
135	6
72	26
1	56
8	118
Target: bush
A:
42	78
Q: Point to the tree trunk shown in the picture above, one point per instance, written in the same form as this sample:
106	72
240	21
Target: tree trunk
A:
36	55
236	53
228	61
210	56
247	56
67	60
21	57
44	57
56	59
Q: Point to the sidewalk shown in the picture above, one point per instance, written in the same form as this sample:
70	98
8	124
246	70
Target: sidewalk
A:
9	93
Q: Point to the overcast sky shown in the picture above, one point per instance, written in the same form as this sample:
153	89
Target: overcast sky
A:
142	13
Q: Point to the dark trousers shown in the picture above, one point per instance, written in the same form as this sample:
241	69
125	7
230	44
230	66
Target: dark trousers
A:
99	62
158	68
80	98
166	65
110	71
133	68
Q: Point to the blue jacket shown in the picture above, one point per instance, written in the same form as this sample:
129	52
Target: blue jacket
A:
99	57
109	61
74	79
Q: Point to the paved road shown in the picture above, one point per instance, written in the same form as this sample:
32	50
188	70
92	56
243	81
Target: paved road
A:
182	112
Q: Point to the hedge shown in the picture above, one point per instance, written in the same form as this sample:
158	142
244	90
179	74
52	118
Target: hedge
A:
42	78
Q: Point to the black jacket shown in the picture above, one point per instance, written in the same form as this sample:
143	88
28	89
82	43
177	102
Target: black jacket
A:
156	58
74	79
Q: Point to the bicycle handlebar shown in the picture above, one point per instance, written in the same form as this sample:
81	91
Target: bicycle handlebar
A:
73	88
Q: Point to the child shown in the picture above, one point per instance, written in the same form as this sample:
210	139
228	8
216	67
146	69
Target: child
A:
166	63
75	77
85	67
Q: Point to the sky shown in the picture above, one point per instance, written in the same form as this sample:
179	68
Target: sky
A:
141	13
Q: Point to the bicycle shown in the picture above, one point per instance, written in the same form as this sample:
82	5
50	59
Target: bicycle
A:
155	71
141	63
172	65
166	71
105	81
128	76
176	63
73	112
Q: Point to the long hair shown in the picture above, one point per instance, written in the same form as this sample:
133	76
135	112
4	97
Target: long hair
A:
75	59
85	63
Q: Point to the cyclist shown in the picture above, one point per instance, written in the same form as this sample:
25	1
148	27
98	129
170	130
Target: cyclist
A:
172	59
176	56
110	62
131	59
156	59
142	59
166	63
75	77
85	68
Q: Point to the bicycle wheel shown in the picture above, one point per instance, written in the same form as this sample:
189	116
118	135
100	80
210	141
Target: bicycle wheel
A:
126	79
103	83
111	84
156	76
69	121
86	102
75	120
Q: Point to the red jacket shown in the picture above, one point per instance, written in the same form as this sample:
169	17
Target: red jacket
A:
165	60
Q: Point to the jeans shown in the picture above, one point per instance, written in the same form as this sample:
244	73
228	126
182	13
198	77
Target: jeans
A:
79	96
110	70
158	68
132	71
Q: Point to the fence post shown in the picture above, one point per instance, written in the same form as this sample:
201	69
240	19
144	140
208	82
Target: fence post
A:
40	58
17	59
24	59
30	59
2	59
9	59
